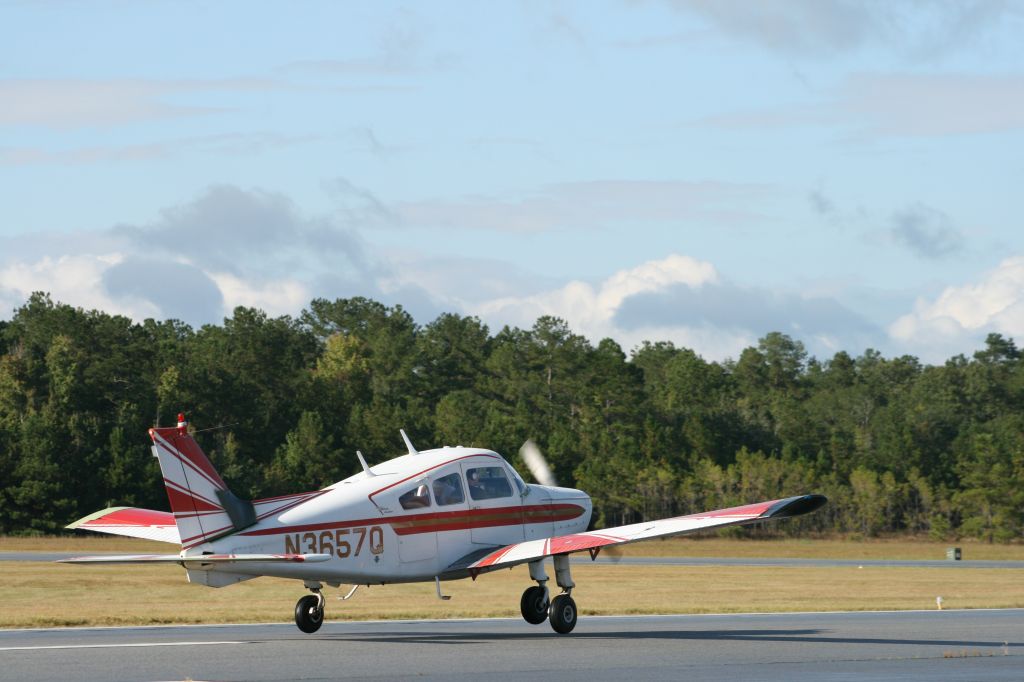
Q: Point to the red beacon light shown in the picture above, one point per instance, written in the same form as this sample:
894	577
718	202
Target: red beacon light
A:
182	424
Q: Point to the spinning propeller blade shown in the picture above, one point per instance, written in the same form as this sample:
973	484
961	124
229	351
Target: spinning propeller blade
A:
538	466
536	463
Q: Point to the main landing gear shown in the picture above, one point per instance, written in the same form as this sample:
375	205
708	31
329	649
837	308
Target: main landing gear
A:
561	610
309	611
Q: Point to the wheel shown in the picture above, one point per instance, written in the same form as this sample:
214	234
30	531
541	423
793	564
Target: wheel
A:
308	617
562	614
534	605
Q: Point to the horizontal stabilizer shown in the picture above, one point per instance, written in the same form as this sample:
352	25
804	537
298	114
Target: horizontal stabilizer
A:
196	559
147	524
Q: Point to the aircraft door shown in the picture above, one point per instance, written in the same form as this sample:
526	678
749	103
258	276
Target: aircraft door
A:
417	543
453	539
496	508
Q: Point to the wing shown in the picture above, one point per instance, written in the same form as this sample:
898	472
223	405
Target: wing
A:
196	559
133	522
510	555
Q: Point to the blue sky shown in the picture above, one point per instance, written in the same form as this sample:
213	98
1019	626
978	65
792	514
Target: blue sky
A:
695	171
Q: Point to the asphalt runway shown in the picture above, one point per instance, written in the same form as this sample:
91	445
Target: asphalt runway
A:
669	561
916	645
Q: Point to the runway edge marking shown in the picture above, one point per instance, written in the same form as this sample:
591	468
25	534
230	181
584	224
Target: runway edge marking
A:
134	645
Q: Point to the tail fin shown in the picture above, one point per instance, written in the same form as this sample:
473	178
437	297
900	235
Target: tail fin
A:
204	509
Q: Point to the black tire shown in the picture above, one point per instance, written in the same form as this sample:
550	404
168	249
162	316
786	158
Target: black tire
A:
562	614
534	605
307	616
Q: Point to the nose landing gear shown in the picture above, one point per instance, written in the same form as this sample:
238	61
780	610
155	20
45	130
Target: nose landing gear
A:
309	611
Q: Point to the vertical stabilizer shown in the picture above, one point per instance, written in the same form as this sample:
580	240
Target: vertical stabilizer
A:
203	506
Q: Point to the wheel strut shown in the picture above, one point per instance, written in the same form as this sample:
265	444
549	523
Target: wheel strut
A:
562	612
309	611
563	576
317	589
538	574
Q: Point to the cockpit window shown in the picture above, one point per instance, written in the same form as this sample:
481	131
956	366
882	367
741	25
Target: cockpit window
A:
487	483
417	498
448	490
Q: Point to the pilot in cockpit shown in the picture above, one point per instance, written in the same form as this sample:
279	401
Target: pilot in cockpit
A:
476	486
448	489
444	491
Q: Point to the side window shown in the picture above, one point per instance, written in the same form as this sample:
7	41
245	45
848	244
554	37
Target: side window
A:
448	490
417	498
486	483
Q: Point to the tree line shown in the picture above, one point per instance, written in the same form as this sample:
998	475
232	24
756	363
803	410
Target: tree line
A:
281	404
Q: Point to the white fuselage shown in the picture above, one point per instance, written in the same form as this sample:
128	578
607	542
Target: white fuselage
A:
412	520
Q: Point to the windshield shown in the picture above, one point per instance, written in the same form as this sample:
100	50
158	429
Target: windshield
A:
520	483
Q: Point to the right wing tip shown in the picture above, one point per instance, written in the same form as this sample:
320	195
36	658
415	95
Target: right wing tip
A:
797	506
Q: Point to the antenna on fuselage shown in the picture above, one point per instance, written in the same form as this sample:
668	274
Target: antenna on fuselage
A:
408	443
366	469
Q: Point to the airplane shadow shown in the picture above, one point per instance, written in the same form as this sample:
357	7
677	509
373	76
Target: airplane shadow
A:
810	636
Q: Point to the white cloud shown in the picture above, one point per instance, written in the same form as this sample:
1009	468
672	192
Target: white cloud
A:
591	310
677	298
195	262
686	301
961	316
73	279
276	297
232	247
140	288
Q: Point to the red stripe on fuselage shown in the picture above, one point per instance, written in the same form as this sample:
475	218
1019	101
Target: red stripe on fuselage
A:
288	497
287	505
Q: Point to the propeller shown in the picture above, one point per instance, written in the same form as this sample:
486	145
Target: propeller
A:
541	471
537	465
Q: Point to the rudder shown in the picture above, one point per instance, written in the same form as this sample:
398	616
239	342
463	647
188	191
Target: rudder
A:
204	508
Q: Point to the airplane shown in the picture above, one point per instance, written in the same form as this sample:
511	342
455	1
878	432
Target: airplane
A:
441	514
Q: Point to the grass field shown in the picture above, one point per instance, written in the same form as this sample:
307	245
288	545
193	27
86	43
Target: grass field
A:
46	594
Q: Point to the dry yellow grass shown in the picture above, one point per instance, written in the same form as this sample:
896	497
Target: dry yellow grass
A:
892	549
42	594
86	543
